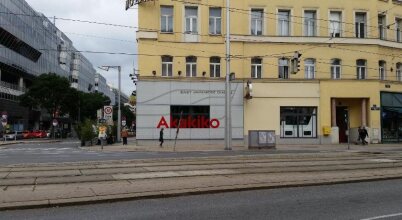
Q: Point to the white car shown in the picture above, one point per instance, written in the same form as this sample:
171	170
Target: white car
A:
14	135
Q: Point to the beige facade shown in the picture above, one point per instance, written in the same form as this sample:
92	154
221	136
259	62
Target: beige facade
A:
351	52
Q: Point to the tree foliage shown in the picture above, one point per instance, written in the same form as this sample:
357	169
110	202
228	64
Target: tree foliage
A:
50	92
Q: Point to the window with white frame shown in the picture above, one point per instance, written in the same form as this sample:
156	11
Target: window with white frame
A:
360	24
309	68
382	70
166	19
361	69
215	66
256	68
335	23
283	22
215	21
310	23
399	72
398	29
283	68
167	66
191	66
382	26
335	69
191	19
257	19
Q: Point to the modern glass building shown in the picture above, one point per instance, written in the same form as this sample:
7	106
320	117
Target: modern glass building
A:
30	45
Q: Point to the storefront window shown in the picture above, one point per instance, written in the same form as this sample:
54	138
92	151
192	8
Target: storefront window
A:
298	122
189	116
391	117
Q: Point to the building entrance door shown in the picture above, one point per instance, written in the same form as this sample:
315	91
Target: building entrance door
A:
342	123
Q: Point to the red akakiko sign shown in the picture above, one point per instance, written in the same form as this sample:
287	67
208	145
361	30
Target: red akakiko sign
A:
190	122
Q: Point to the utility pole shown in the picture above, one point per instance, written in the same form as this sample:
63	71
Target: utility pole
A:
119	104
228	118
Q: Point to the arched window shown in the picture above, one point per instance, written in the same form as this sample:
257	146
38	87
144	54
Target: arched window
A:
336	68
256	67
361	69
309	68
215	66
382	71
191	66
167	65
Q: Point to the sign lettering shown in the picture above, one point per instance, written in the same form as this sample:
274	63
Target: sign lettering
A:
189	122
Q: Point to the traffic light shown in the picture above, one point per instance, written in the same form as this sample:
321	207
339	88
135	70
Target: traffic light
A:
295	62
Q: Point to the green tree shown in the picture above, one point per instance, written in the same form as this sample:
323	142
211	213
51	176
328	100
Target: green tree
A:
90	102
50	92
125	112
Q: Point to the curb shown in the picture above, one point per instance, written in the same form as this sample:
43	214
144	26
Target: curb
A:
183	192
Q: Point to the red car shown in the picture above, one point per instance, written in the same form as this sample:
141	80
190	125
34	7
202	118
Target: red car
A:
28	134
39	134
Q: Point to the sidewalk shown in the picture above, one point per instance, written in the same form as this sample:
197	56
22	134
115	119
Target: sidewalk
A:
118	147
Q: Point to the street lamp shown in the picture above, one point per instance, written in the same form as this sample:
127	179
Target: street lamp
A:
106	68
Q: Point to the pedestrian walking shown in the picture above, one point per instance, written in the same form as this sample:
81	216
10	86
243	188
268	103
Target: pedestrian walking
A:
161	137
363	135
124	135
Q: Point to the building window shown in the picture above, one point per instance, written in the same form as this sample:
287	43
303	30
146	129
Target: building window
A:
399	72
215	20
310	23
256	21
382	70
167	66
283	68
185	115
215	66
191	66
361	69
382	27
309	68
298	122
398	23
335	23
166	19
335	69
256	68
191	17
283	22
360	24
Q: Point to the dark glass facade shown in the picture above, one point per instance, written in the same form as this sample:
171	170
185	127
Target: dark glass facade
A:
391	117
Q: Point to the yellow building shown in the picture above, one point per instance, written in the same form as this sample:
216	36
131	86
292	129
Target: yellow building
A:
349	74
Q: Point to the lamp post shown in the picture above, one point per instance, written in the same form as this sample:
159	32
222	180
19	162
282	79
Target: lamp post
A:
228	123
106	68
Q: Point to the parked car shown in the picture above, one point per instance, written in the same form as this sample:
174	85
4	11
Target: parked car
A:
14	135
40	134
28	134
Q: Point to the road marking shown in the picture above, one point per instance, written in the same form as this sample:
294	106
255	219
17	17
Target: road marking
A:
383	160
383	216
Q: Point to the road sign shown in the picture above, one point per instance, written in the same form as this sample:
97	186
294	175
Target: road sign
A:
123	123
107	112
55	122
99	114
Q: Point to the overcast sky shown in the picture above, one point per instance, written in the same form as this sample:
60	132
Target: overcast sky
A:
120	39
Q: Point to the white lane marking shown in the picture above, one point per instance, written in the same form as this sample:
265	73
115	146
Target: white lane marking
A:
383	216
382	160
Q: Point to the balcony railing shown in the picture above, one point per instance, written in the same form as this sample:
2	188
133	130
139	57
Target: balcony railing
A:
13	86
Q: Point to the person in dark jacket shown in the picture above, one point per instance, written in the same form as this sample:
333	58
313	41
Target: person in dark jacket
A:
161	137
363	134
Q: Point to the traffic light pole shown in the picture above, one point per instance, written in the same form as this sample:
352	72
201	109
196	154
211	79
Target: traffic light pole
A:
228	119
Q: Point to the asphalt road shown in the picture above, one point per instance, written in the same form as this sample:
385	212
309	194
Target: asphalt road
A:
68	151
369	200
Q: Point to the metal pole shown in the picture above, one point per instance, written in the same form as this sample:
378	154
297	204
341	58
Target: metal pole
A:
119	111
228	128
348	131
